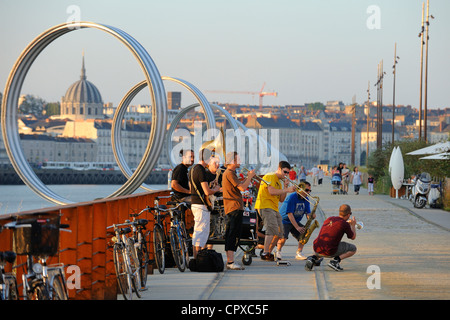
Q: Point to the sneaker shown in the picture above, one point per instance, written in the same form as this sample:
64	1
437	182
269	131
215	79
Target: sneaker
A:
334	264
310	261
234	266
317	262
299	256
278	255
267	256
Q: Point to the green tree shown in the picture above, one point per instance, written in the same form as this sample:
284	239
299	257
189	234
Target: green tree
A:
52	108
32	105
316	106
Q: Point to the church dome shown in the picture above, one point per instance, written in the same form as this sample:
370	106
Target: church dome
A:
83	91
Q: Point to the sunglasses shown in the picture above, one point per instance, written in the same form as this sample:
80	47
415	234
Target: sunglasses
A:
285	172
308	190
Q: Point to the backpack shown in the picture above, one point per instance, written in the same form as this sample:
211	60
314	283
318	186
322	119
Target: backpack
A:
207	261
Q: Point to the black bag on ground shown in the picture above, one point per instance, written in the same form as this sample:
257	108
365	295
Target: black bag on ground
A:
207	261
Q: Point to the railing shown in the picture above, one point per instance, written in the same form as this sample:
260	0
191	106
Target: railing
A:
85	248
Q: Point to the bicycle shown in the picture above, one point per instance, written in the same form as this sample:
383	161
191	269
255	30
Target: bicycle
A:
39	238
125	261
177	237
8	281
141	241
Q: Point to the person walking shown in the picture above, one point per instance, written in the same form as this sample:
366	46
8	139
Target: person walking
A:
356	180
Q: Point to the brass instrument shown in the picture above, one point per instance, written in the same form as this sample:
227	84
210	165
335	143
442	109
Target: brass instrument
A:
359	224
257	178
300	188
310	225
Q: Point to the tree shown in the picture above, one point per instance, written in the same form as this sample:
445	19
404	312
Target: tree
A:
32	105
52	108
316	106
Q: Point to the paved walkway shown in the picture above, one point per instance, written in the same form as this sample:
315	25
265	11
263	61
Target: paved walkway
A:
403	253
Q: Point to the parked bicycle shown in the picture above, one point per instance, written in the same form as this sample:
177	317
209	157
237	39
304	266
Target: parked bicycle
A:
141	239
176	237
8	281
126	262
39	238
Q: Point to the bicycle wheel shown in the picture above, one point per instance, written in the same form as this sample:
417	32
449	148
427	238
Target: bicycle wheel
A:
159	243
58	290
123	277
38	290
177	249
134	266
10	288
142	253
185	241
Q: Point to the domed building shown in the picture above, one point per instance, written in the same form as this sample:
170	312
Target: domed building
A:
82	100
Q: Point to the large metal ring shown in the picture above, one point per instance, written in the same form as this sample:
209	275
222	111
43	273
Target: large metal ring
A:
122	108
14	86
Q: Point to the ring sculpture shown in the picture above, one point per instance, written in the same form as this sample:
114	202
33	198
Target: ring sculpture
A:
11	97
123	105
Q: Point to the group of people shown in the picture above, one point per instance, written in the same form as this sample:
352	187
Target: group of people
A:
354	177
279	222
300	174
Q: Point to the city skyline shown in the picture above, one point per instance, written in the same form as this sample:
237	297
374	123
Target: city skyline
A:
305	51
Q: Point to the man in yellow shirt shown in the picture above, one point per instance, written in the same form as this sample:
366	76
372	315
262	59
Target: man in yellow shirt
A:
269	195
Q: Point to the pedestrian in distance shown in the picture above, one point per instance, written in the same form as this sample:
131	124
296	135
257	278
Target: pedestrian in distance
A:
356	180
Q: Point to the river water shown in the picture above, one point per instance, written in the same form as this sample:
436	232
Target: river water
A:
17	198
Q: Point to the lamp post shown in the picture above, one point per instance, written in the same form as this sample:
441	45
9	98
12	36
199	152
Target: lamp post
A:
368	116
393	99
426	70
421	73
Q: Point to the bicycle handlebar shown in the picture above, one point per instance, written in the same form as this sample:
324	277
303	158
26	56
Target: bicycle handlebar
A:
159	208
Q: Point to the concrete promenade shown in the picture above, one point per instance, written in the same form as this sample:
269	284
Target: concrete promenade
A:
403	253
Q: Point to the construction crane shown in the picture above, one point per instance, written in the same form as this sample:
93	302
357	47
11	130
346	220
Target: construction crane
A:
261	94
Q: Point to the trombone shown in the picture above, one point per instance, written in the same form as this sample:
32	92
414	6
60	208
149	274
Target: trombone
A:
257	178
301	187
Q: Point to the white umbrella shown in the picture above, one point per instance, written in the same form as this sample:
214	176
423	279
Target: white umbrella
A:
434	149
440	156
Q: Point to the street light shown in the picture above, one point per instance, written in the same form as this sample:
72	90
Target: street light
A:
426	70
393	99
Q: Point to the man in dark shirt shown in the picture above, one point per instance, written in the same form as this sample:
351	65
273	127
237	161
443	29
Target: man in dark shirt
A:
199	190
328	243
180	180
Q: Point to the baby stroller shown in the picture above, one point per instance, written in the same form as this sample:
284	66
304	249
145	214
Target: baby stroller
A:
336	183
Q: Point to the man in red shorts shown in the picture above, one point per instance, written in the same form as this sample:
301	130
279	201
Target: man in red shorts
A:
329	244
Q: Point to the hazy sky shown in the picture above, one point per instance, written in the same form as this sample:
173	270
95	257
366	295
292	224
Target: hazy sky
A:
306	51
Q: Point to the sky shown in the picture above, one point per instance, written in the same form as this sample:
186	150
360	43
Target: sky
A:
306	51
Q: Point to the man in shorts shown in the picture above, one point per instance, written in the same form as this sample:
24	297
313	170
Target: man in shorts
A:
328	243
294	207
269	195
199	191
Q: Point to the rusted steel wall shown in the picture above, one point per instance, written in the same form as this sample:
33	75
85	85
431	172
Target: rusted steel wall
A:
86	245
